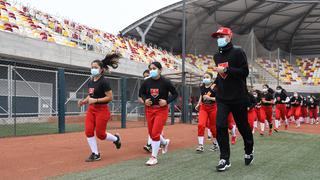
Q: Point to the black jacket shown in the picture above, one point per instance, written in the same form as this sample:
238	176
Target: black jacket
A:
232	85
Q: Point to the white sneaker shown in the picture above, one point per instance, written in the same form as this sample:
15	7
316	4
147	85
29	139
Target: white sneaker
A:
165	148
152	161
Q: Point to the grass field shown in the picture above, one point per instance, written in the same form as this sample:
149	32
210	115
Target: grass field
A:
282	156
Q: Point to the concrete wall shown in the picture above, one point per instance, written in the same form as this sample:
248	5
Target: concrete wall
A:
42	52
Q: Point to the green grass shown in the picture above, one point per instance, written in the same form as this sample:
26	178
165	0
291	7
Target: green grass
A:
36	128
281	156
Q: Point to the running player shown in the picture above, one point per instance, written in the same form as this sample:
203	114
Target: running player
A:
280	98
266	109
313	103
207	112
155	94
295	110
98	114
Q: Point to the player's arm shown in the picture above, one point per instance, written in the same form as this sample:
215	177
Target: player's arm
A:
199	102
242	70
173	92
83	101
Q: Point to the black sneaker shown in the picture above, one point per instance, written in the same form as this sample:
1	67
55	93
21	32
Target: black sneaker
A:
148	148
248	159
117	143
214	147
93	157
223	165
200	148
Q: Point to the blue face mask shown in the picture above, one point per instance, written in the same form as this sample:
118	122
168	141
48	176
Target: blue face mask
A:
222	42
95	72
154	73
206	81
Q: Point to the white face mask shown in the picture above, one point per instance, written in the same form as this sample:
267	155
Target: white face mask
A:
278	90
295	95
255	95
265	89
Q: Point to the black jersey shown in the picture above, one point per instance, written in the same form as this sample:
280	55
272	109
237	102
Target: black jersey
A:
207	91
97	89
295	102
280	98
157	89
268	97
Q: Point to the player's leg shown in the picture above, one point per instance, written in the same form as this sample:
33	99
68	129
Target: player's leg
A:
212	127
89	131
102	117
202	123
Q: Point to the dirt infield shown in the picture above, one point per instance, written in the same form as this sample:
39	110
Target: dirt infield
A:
39	157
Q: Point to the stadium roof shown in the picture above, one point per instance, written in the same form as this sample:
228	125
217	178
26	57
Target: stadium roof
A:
292	25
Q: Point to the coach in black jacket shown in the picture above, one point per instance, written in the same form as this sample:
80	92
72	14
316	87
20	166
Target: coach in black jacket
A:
232	96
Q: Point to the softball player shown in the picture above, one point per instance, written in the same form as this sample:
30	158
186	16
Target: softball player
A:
155	94
280	100
207	112
98	114
313	103
266	109
295	110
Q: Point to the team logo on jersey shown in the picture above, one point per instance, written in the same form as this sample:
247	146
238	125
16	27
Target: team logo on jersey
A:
154	92
225	64
91	91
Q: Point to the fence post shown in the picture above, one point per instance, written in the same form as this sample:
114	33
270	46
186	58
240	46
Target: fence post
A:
172	112
61	100
123	86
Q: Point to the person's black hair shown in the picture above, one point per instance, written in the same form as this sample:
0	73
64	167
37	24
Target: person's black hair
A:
156	64
270	90
209	73
110	60
146	71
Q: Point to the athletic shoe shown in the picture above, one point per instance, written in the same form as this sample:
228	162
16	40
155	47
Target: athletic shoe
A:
117	143
261	133
286	127
233	140
200	148
148	148
248	159
270	132
152	161
223	165
276	130
317	122
209	138
93	157
165	148
214	147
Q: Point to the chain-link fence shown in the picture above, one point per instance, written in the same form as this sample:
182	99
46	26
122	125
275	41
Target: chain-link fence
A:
28	100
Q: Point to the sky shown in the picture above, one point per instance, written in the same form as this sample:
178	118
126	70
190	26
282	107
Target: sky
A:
108	15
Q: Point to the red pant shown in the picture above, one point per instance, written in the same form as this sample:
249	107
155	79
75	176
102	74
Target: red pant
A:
281	112
266	114
231	122
207	118
156	119
313	113
304	112
295	111
252	116
258	112
288	112
97	118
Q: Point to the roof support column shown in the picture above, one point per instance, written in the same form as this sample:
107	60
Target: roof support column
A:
143	34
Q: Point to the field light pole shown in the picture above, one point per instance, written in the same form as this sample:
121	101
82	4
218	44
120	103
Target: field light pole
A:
183	80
